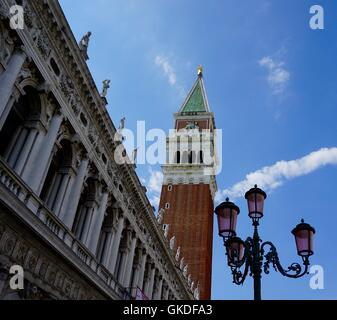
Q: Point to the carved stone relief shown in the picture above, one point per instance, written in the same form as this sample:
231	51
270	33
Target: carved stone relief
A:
7	45
17	250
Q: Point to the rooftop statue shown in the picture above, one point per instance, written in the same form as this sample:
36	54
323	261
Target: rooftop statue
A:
172	242
134	155
160	216
122	124
178	254
106	86
84	44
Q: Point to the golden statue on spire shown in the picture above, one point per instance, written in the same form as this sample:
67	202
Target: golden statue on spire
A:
200	71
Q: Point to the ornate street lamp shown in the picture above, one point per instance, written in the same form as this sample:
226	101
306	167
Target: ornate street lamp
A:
252	253
235	251
227	213
255	199
304	234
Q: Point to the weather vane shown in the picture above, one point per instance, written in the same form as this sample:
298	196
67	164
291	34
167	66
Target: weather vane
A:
200	71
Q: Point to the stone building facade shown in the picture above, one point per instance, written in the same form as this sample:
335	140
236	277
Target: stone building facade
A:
78	223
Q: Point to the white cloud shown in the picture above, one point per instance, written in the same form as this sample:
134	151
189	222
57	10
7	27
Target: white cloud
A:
155	200
155	181
142	180
269	178
153	185
167	69
278	76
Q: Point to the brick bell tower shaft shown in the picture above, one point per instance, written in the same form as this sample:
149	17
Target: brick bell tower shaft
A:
189	187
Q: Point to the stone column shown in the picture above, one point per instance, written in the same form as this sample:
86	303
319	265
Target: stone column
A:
26	150
89	214
4	273
96	224
67	215
167	293
52	192
136	266
122	266
78	228
163	291
63	191
116	242
40	160
147	276
151	284
106	252
129	264
13	143
135	277
9	76
26	165
155	286
142	271
13	152
159	289
7	110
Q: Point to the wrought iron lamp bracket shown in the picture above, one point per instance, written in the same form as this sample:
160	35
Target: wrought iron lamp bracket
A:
295	270
239	277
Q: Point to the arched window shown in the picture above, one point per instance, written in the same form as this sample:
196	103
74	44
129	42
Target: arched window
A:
177	157
201	157
191	157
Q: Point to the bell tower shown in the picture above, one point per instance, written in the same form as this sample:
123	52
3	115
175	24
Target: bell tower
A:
189	188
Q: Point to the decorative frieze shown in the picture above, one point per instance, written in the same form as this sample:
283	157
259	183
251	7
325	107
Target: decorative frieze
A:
7	45
20	250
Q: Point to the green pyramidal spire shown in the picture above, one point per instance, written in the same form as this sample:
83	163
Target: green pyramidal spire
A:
196	100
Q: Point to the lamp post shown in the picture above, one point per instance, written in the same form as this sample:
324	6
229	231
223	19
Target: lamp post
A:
251	255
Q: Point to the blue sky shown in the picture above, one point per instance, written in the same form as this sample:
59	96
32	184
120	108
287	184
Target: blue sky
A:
271	82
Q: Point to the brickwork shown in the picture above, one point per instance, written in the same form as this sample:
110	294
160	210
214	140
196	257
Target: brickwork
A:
202	124
190	216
